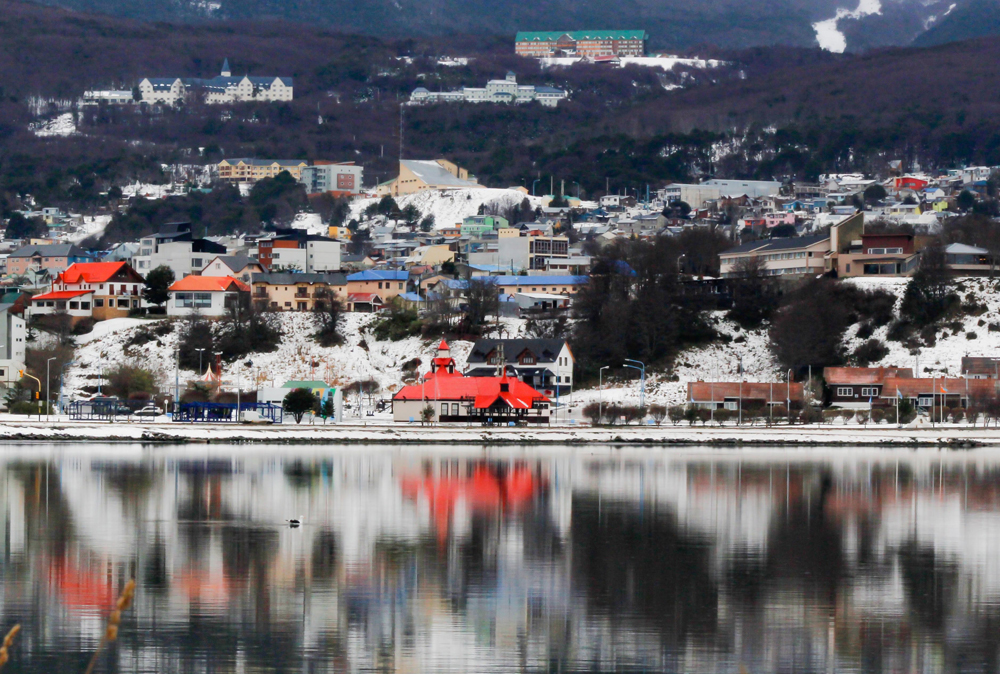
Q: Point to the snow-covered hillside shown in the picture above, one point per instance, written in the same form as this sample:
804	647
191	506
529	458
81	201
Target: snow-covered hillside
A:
450	208
63	125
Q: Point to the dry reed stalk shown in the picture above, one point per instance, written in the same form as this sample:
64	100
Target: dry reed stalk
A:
111	633
8	641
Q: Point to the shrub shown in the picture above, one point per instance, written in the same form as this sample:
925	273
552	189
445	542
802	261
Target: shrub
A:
971	335
633	413
862	416
27	407
957	415
691	415
592	412
126	380
299	401
973	414
658	413
847	414
612	414
396	325
811	415
830	415
82	327
723	416
676	414
704	415
871	351
877	415
865	331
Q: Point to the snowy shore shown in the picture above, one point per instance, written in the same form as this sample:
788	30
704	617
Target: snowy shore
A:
401	434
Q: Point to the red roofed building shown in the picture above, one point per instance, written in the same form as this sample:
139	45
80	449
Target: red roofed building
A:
100	290
455	398
729	394
858	387
205	295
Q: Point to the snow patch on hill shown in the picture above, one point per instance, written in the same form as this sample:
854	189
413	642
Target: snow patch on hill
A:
828	35
63	125
664	61
452	207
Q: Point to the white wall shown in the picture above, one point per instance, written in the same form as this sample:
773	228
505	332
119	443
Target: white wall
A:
217	307
323	256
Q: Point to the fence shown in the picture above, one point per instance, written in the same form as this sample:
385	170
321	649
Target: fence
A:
224	413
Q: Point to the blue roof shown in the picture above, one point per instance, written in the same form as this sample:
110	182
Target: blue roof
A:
410	297
379	275
541	280
454	284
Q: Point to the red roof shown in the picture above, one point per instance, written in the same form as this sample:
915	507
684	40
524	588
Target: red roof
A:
443	346
364	298
481	391
61	295
863	375
90	272
209	284
911	388
706	391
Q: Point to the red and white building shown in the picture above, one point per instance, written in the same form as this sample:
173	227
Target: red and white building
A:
205	295
455	398
99	290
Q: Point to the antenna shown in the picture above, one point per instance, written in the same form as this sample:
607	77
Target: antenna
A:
400	132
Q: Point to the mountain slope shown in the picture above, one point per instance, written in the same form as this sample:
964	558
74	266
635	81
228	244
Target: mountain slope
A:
977	18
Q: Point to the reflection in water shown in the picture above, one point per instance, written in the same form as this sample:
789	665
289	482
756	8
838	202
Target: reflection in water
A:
423	561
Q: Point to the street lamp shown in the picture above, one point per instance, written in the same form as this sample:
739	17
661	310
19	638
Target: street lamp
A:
199	361
47	386
600	400
533	183
577	189
642	385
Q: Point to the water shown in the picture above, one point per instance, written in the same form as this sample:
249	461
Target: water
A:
511	560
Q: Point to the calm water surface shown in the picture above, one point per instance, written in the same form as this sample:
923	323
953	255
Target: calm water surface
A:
450	560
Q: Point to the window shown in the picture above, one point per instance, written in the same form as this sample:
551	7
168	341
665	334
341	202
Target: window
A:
444	409
98	303
85	306
74	305
869	391
731	405
123	304
454	409
400	286
845	391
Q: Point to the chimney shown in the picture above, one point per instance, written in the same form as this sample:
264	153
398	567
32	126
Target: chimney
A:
504	387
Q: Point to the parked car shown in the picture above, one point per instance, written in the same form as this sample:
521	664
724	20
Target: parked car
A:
253	417
149	411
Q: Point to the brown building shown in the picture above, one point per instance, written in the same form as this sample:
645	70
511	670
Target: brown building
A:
282	291
728	395
586	43
858	387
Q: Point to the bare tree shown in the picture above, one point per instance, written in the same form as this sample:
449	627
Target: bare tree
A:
481	301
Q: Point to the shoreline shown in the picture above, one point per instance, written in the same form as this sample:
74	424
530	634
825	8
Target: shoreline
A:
948	436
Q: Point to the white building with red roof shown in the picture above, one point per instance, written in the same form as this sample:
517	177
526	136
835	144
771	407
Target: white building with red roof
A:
101	290
455	398
205	295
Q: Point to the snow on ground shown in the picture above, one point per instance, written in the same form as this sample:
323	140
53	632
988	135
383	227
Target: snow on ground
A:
63	125
664	61
311	222
451	207
828	35
945	357
93	225
298	357
453	62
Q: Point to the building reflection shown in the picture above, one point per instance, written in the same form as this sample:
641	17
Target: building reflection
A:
411	562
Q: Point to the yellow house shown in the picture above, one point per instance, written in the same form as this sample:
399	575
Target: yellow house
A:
339	232
252	170
419	175
281	291
431	256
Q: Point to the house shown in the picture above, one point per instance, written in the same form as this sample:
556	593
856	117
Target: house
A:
320	389
934	392
528	303
99	290
585	43
969	260
544	364
728	395
13	332
356	261
237	266
556	285
420	175
52	257
284	291
247	170
857	387
433	256
518	249
455	398
617	202
385	283
223	88
205	295
880	255
976	367
174	246
478	225
297	250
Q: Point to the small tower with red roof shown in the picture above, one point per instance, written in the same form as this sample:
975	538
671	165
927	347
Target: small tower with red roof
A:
443	363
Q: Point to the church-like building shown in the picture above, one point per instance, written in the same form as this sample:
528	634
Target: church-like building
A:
455	398
222	89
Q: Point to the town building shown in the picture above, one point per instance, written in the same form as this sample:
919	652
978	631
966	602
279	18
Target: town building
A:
880	255
734	395
53	257
205	295
585	43
477	226
454	398
248	170
521	249
238	266
13	331
283	291
857	387
978	367
543	364
297	250
418	175
506	90
175	247
339	179
108	97
223	88
372	289
936	392
99	290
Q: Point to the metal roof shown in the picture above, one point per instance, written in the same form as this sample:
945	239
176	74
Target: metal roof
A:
553	35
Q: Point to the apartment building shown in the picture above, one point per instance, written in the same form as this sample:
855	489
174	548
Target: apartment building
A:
247	170
283	291
585	43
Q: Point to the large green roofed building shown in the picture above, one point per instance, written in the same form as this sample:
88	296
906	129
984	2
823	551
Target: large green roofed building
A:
585	43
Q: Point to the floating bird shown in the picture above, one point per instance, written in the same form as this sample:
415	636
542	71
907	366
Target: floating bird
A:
294	522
